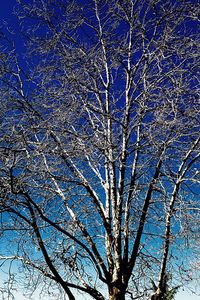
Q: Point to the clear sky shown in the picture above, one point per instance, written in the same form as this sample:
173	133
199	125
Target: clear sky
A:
6	7
183	295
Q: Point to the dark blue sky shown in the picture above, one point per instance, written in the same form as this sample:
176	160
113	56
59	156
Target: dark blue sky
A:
9	25
8	20
6	9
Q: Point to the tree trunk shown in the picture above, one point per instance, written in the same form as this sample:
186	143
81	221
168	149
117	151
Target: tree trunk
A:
116	293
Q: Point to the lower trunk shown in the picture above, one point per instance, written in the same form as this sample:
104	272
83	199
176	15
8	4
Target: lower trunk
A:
116	293
158	296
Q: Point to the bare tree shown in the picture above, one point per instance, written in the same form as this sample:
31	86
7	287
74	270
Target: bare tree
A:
99	146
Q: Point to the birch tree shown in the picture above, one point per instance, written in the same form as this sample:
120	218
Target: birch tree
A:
99	145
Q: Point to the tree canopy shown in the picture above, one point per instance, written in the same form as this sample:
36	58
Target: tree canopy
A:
99	146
